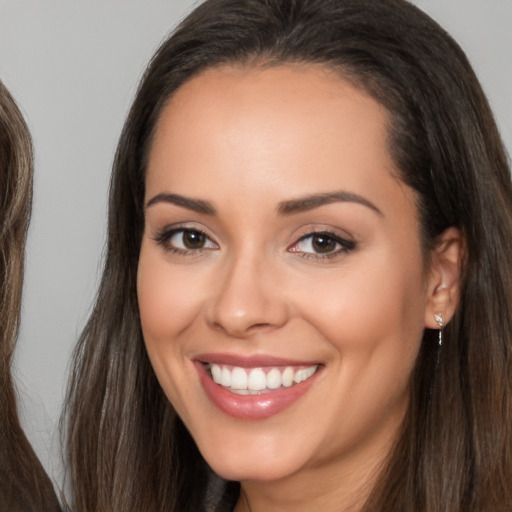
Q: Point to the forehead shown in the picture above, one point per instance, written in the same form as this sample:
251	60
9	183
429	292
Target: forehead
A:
287	90
256	113
233	133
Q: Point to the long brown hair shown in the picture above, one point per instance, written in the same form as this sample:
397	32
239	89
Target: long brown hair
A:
24	486
129	451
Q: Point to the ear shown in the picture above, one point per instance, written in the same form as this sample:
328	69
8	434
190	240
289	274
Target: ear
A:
443	283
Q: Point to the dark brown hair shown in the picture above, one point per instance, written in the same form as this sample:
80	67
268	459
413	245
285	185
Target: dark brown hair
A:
127	448
24	486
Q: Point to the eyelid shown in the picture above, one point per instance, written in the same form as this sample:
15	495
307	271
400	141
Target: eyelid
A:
163	236
180	226
346	244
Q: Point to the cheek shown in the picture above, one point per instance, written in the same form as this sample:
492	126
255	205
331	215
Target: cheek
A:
370	298
168	304
168	301
371	314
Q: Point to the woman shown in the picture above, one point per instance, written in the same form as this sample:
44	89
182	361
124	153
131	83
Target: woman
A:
24	486
306	299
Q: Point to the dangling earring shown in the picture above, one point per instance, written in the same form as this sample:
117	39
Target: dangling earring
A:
439	320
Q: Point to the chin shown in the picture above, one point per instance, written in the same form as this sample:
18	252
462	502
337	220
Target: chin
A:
262	473
238	467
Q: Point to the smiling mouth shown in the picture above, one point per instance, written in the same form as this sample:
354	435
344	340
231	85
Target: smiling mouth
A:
256	381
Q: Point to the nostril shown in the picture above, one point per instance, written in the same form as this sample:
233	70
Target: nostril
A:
241	329
260	326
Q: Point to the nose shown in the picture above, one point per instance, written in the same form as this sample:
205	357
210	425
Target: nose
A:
247	299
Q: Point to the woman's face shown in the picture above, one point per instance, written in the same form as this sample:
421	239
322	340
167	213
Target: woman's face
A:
278	247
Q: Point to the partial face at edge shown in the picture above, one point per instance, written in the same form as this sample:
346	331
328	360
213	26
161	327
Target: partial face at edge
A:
277	236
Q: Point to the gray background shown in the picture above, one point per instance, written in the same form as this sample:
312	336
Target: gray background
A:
73	65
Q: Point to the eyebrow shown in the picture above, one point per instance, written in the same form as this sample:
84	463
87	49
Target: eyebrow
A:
306	203
301	204
196	205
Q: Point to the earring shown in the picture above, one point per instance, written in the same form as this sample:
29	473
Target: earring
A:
439	320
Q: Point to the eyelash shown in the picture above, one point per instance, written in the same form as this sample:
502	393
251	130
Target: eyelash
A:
163	238
342	245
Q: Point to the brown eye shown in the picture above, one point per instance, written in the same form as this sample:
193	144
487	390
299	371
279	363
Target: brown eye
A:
193	239
184	240
323	243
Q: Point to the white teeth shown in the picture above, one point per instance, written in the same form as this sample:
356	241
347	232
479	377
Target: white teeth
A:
239	378
257	380
308	372
216	374
288	377
246	381
303	374
225	378
274	379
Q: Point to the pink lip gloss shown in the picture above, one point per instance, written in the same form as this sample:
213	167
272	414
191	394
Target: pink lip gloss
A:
251	406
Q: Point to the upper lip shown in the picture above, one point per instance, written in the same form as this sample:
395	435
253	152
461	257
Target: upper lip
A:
251	361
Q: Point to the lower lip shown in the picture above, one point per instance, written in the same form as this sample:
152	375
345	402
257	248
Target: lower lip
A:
252	407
